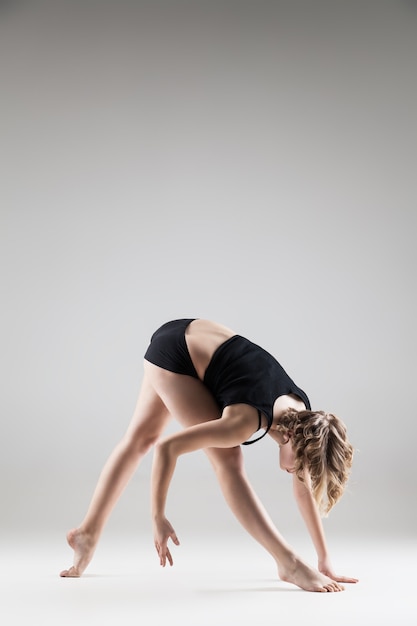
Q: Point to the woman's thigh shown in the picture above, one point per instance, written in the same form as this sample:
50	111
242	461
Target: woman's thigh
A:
150	416
185	397
190	403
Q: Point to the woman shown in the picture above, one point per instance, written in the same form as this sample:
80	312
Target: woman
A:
223	388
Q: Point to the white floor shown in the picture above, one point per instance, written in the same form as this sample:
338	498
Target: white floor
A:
212	583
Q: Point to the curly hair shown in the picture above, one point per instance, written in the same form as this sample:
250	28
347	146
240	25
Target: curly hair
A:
321	446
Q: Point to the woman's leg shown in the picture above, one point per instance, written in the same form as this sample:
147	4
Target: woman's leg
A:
149	420
189	401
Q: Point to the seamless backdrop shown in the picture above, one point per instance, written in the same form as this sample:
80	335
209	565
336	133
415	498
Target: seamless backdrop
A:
249	162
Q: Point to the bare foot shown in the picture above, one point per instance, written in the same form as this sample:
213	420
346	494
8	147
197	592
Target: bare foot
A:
306	577
83	546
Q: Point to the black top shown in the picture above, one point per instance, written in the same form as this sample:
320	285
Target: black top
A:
239	370
242	372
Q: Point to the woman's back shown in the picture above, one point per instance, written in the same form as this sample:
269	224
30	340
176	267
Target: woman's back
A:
203	337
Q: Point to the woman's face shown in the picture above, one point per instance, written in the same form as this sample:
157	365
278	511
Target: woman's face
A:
287	457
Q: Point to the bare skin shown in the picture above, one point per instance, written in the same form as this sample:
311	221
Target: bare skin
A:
149	419
84	546
165	395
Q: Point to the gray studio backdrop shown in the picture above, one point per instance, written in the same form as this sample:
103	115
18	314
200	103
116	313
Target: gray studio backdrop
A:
250	162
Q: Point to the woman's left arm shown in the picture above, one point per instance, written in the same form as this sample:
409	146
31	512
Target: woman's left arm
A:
226	432
310	513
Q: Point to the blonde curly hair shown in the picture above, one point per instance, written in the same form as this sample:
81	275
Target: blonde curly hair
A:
321	447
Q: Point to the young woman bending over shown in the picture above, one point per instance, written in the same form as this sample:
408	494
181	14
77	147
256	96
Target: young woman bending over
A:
223	388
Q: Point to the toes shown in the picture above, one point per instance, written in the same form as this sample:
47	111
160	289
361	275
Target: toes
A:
72	572
334	587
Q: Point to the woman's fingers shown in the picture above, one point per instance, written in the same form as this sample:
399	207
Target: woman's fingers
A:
345	579
163	531
164	552
340	579
175	538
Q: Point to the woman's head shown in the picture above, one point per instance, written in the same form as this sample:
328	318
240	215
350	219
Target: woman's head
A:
321	447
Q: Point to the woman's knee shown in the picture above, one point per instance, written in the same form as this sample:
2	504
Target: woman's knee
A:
226	459
139	443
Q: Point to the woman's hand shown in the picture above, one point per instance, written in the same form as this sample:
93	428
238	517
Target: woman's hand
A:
325	567
162	531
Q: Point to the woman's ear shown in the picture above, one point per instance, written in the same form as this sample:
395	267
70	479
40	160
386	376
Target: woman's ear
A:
286	436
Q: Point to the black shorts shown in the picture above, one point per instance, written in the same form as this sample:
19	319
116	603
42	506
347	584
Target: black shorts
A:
168	348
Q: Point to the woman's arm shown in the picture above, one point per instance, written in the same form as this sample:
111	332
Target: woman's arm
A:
309	511
236	425
310	514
